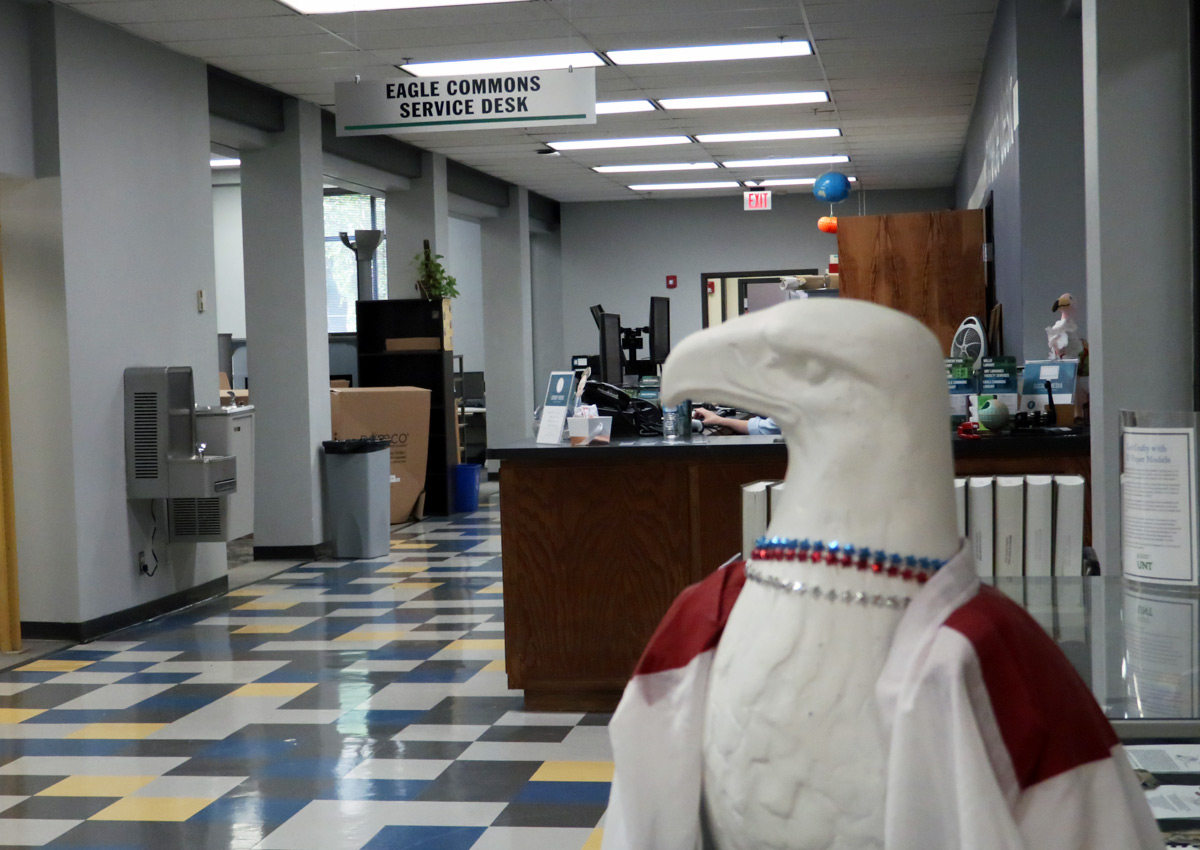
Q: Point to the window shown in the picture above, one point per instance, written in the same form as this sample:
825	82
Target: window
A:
347	212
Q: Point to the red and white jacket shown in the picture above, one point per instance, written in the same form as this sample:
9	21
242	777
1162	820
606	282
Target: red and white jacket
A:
995	743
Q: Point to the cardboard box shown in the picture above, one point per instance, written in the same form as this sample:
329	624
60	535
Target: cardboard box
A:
400	413
339	384
231	396
414	343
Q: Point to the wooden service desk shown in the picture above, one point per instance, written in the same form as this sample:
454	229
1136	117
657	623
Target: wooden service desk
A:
598	541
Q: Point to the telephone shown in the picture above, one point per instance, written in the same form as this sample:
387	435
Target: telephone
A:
632	417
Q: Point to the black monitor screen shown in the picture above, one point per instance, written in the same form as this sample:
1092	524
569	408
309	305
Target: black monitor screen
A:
597	312
610	349
660	328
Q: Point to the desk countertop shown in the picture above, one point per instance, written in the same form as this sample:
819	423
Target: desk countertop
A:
656	448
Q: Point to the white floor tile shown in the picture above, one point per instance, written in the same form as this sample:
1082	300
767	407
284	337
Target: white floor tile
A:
584	743
37	731
409	696
145	657
90	766
454	604
113	697
459	618
7	689
321	645
467	654
111	645
489	627
219	672
304	716
349	824
361	613
384	666
83	677
264	618
190	786
399	769
32	832
222	718
438	732
490	545
460	574
531	838
539	718
8	801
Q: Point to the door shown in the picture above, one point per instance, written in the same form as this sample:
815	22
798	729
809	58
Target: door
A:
929	265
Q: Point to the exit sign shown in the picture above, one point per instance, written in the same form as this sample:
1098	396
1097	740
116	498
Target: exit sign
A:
757	200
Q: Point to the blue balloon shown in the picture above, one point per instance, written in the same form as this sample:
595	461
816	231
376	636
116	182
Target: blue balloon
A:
832	186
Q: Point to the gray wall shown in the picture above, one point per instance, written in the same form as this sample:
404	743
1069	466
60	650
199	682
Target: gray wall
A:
230	280
545	269
112	276
464	260
16	114
618	253
1025	147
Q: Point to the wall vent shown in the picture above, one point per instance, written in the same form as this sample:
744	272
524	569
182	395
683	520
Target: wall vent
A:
197	520
145	435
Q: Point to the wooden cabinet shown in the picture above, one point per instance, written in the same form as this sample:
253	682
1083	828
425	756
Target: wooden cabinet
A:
929	265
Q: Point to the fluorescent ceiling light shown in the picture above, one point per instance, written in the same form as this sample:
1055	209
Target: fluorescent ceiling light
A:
612	107
329	7
780	161
219	162
794	181
597	144
711	53
666	187
504	64
664	166
770	135
726	101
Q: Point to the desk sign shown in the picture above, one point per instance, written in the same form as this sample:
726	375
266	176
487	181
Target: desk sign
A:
560	396
760	200
1158	505
438	104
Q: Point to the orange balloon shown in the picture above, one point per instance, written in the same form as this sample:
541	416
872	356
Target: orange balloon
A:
827	224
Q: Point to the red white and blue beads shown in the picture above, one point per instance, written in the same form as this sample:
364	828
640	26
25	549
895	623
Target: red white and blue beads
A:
847	556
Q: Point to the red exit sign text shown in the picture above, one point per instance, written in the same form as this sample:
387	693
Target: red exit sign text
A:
757	200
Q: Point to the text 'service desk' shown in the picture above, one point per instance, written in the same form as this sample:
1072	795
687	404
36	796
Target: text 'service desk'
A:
598	540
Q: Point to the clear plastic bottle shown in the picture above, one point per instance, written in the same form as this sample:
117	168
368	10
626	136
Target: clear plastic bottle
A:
670	425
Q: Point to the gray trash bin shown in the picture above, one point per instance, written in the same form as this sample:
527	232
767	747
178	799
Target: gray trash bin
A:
358	496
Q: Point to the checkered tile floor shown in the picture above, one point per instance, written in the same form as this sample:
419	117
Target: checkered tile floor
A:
340	705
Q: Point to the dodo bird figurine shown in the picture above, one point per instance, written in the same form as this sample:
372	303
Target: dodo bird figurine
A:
1063	335
851	686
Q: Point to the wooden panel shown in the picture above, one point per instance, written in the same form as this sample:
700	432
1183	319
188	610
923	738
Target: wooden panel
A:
929	265
592	560
716	494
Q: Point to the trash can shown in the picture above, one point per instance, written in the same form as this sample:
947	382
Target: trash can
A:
466	491
358	496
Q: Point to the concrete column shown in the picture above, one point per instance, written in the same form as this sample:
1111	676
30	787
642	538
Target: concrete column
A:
422	212
508	321
1137	177
287	329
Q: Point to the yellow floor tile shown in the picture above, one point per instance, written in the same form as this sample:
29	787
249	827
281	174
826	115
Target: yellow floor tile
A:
406	568
50	665
97	786
478	643
496	666
117	731
10	716
594	840
574	771
396	544
248	591
264	606
428	585
493	588
273	689
266	630
374	634
153	808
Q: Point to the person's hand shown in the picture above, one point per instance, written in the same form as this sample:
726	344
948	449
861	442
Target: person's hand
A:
707	417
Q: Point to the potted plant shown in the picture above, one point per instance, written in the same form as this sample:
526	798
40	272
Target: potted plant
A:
432	280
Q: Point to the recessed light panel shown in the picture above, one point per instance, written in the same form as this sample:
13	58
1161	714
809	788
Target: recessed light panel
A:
599	144
781	161
727	101
769	135
613	107
794	181
662	166
504	64
329	7
710	53
220	162
670	187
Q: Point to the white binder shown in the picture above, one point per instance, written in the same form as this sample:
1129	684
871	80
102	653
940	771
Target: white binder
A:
1039	525
1010	525
960	505
754	514
1068	525
980	523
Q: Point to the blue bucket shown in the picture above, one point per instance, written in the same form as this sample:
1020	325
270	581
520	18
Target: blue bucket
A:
466	487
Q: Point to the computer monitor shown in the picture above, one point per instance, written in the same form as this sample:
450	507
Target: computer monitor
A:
611	366
660	328
597	312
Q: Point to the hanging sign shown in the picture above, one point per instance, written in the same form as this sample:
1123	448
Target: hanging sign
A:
1158	506
760	200
438	104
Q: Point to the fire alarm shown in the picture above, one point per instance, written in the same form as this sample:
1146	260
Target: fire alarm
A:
712	287
672	281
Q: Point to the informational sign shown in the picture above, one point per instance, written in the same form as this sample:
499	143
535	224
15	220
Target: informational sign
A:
1162	647
470	102
1158	505
757	200
560	395
1059	373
